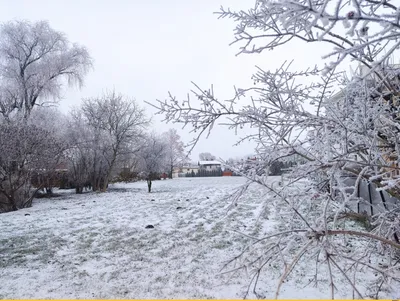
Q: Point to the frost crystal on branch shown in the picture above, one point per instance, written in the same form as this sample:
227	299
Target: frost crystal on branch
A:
35	61
339	137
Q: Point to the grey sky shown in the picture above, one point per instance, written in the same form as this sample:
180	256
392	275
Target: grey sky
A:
144	49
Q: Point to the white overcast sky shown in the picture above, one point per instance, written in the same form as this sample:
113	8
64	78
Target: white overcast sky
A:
144	49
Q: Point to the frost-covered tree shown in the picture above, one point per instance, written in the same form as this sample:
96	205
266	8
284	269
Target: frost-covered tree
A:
175	150
339	133
54	123
35	62
117	125
152	155
25	150
206	157
81	152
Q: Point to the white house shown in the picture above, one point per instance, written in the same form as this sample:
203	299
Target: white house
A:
210	165
182	171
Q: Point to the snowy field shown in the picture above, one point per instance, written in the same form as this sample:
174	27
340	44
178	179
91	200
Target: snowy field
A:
96	245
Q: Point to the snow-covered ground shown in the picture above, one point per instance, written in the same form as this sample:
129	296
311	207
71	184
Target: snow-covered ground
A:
97	245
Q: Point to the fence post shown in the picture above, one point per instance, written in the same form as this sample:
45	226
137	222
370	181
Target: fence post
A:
370	198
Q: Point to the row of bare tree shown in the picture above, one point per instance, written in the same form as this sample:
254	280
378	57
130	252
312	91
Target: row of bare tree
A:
92	142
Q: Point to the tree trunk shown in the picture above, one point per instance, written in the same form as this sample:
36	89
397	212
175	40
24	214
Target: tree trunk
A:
79	189
109	172
149	185
13	202
105	185
96	183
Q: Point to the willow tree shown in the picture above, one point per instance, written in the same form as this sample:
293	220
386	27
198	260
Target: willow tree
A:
36	62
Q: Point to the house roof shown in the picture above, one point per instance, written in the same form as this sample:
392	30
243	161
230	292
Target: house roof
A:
212	162
191	167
